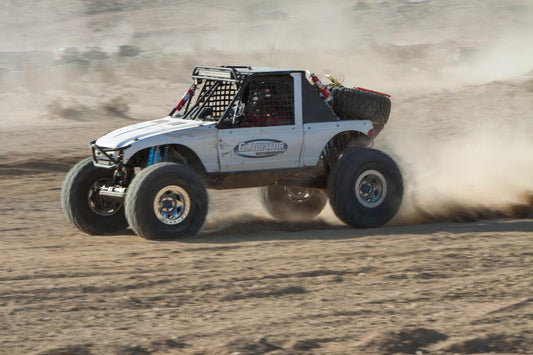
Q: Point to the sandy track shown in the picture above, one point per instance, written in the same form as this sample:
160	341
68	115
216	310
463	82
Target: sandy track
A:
258	285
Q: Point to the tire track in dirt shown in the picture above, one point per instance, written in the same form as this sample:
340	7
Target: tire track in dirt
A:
38	166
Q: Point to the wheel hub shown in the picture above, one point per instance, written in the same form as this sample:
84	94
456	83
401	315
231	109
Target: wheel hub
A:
298	195
172	204
366	189
101	205
168	205
371	188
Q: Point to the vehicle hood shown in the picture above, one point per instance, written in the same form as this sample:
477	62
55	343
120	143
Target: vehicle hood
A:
137	132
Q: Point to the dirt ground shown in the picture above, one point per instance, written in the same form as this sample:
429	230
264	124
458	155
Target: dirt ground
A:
452	273
258	286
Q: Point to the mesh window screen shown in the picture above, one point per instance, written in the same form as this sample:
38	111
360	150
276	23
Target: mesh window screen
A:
269	101
217	95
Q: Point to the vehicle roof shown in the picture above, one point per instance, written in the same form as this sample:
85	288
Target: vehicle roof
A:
236	72
253	70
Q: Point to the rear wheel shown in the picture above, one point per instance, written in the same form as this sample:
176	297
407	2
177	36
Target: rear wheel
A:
292	203
365	188
83	205
166	200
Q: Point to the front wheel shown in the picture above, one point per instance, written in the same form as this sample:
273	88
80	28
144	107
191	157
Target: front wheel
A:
83	205
292	203
165	201
365	188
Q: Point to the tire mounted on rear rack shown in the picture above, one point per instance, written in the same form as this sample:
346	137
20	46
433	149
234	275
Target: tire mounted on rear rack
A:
354	104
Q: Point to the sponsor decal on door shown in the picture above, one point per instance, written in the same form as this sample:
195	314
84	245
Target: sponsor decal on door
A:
260	148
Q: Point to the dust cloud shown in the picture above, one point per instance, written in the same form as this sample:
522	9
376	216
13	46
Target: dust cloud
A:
480	174
460	75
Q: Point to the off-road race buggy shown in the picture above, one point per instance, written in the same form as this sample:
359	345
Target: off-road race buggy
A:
299	142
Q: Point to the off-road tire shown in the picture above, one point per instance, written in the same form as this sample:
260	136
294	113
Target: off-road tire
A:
365	188
75	200
287	203
176	181
353	104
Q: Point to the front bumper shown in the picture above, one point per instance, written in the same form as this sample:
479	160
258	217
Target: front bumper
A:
106	157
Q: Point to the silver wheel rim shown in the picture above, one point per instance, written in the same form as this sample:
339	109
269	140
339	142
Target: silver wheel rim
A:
99	205
371	188
172	204
298	195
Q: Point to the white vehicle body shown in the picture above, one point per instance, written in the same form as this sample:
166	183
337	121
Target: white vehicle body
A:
235	149
300	143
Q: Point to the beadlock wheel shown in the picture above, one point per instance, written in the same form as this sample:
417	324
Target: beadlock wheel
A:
298	195
292	203
371	188
172	204
166	201
83	205
99	205
365	188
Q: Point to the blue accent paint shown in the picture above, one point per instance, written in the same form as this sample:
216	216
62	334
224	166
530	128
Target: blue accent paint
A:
260	148
154	156
150	157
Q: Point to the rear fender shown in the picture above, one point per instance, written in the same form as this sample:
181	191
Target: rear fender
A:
317	135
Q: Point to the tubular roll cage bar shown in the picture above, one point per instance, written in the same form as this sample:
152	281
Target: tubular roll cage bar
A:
226	73
230	73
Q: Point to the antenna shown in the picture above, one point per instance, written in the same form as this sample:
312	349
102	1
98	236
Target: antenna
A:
274	42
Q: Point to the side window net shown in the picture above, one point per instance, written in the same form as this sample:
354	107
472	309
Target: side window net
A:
268	101
215	96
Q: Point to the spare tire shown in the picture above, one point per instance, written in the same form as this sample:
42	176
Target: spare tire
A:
353	104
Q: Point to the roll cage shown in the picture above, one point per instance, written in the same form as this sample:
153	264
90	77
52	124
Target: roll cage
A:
220	91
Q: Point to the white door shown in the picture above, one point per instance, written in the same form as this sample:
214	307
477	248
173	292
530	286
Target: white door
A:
270	134
255	148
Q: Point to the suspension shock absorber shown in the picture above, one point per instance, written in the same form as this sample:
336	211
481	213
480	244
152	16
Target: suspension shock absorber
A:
154	156
326	95
164	152
119	174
